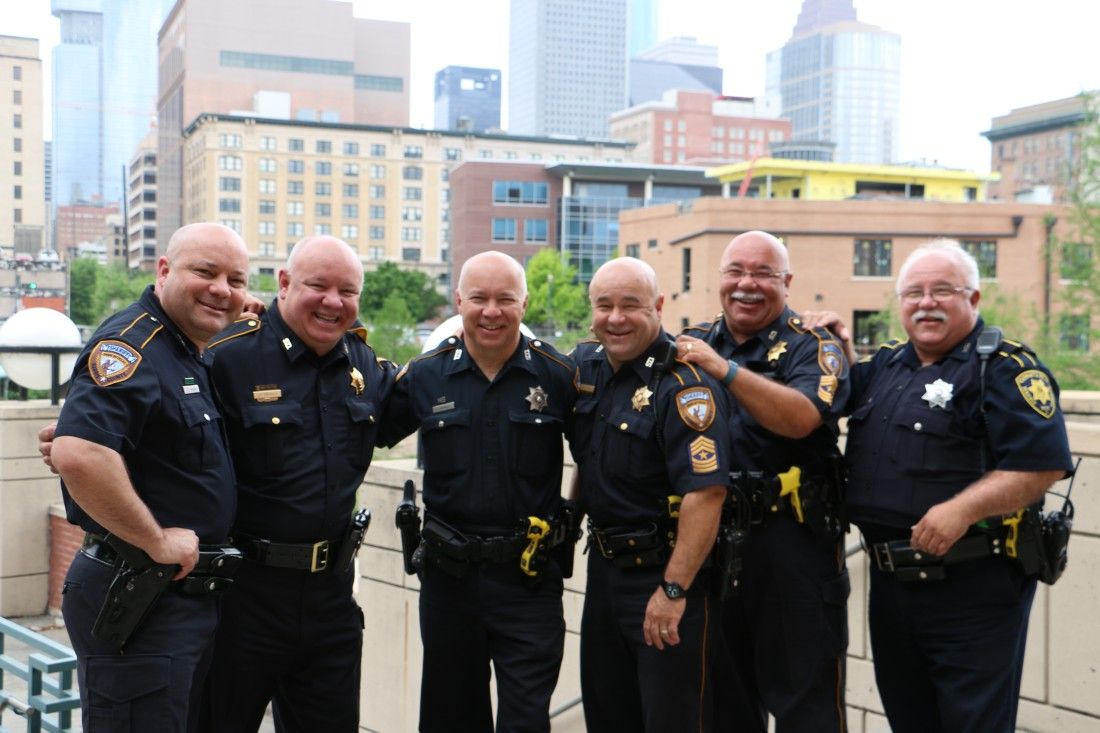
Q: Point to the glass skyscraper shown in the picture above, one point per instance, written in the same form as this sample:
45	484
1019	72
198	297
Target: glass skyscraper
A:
467	98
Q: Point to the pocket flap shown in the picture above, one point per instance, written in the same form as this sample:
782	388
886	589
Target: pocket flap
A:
198	411
121	678
530	417
445	419
283	412
362	410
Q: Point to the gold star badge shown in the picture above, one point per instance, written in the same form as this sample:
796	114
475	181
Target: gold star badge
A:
357	381
641	398
777	351
537	398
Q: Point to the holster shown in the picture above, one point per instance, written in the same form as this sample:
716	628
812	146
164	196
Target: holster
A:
137	585
731	544
567	530
353	539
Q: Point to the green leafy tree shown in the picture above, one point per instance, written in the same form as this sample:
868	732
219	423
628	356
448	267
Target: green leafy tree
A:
82	282
555	300
413	287
117	287
392	330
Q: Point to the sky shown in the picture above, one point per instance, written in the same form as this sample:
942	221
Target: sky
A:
963	62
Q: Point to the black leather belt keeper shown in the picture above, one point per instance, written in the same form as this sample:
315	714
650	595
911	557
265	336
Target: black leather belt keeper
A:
312	556
912	565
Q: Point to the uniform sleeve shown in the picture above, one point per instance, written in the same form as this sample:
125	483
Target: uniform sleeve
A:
695	422
398	420
111	411
1027	430
819	369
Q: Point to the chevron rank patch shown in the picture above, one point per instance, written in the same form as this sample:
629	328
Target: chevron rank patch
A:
1037	392
704	456
826	388
112	362
696	407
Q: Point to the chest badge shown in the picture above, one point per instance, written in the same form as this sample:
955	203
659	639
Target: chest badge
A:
777	351
357	381
938	394
537	398
267	393
640	400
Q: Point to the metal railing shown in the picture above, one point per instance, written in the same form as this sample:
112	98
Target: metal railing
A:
54	352
48	676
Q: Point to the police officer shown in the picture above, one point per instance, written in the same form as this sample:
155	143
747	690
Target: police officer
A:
944	435
650	444
141	452
302	394
491	406
786	628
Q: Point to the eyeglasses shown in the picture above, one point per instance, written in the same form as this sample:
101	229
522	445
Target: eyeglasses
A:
938	293
758	276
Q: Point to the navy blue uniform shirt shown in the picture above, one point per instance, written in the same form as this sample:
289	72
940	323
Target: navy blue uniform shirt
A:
492	451
301	427
916	434
811	362
143	390
635	446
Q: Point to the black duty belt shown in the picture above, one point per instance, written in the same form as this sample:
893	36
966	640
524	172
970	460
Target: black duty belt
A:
909	564
472	545
311	556
633	547
212	573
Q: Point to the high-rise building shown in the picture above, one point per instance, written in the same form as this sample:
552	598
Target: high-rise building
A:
467	98
698	128
676	63
567	66
141	229
641	26
104	93
309	60
22	165
838	80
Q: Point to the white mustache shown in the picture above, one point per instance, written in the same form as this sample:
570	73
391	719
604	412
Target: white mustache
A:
746	297
936	314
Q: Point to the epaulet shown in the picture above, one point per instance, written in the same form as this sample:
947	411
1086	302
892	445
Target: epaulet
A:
1019	352
552	354
584	347
241	327
703	327
116	359
359	330
890	345
795	323
691	368
449	345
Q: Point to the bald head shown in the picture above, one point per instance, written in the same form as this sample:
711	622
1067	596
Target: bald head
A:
626	309
757	242
324	246
207	234
319	291
493	264
626	269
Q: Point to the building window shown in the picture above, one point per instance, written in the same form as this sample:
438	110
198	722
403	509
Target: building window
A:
870	329
226	140
985	252
17	96
685	269
378	172
350	211
486	154
295	144
229	162
412	193
17	191
230	206
268	165
504	230
377	150
520	192
1076	261
412	173
323	146
324	210
351	169
17	121
322	168
349	231
17	168
412	234
632	250
410	254
267	249
651	244
295	188
377	233
17	73
872	258
295	166
268	143
414	151
295	208
234	224
412	213
351	148
267	206
322	230
17	216
534	230
350	190
267	228
295	229
322	188
1074	334
377	191
452	154
229	183
376	212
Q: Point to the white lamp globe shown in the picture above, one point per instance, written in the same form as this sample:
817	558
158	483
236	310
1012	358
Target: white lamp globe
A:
447	329
37	327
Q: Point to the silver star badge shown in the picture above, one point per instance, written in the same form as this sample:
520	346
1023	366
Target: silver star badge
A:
938	394
537	398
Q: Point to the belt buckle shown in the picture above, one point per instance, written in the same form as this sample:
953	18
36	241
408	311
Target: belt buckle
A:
605	550
319	560
883	558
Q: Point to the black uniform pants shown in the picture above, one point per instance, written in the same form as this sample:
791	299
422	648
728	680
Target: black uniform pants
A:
785	634
628	686
158	680
949	654
489	615
292	638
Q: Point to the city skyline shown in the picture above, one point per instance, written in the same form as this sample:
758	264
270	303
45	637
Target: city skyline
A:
962	63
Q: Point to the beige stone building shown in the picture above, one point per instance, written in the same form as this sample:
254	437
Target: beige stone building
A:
385	190
141	206
310	60
22	162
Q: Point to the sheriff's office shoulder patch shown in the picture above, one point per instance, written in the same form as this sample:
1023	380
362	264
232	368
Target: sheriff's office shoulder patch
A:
1037	392
112	362
826	388
831	359
696	407
704	455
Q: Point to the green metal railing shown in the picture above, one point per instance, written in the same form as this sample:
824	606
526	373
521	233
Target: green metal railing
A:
48	675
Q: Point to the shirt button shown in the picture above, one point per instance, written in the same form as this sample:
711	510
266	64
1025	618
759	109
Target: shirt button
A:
275	421
917	426
623	426
206	416
538	421
440	424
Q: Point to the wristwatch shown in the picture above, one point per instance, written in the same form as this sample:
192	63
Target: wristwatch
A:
673	590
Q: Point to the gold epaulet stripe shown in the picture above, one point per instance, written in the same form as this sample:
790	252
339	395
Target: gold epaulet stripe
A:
694	372
1015	358
156	330
133	323
232	336
552	358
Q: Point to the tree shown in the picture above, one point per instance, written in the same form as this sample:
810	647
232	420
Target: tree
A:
554	297
82	280
392	330
96	291
414	288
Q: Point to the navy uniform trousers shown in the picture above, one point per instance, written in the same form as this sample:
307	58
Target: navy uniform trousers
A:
153	685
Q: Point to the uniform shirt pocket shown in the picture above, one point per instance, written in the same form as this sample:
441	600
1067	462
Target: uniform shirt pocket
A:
448	443
267	431
200	446
536	443
630	453
927	444
364	426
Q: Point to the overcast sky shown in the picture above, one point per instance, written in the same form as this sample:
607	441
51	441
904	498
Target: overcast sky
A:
963	61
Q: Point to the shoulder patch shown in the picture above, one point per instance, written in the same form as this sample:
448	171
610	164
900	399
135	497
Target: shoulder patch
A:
113	361
1037	391
704	455
831	359
241	327
696	407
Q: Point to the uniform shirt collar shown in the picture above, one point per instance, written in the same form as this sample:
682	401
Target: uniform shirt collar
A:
766	336
643	365
962	351
151	303
460	359
292	345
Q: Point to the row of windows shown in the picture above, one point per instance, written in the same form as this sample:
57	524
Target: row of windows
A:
874	258
297	208
521	192
504	230
320	167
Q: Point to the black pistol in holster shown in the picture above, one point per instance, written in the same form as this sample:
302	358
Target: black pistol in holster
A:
353	540
138	584
407	521
731	543
567	523
1039	541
